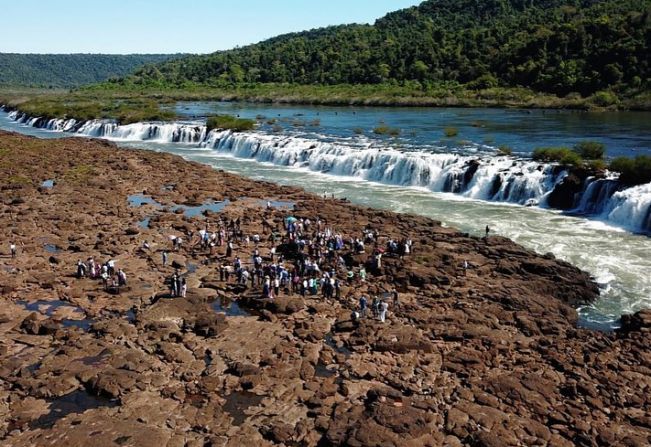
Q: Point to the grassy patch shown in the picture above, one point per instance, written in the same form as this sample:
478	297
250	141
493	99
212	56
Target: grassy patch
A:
80	174
504	150
383	129
228	122
550	154
590	150
19	180
633	171
83	106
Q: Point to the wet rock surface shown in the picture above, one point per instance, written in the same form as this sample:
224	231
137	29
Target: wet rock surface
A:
491	356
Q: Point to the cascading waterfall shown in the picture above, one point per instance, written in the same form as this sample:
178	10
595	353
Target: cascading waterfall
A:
502	178
157	132
605	198
497	178
596	195
630	208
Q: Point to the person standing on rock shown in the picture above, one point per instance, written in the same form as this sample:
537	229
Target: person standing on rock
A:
304	287
465	267
488	230
164	257
375	307
81	269
122	278
363	304
378	260
295	282
276	286
184	287
396	299
172	281
266	288
178	284
244	278
92	269
383	311
229	249
12	249
105	278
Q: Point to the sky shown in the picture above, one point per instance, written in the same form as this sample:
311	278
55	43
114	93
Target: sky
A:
170	26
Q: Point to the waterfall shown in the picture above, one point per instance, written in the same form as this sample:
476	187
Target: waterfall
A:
492	178
156	132
630	208
596	195
497	178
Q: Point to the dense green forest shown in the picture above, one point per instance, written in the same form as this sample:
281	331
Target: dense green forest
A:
562	47
69	70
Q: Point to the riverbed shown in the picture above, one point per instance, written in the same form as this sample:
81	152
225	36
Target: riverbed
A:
617	258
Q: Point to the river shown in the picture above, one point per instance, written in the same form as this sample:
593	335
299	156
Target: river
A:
422	171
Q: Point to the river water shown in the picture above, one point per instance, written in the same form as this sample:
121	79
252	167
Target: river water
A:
284	147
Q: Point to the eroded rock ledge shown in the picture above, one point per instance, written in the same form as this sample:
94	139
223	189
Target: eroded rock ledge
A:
493	357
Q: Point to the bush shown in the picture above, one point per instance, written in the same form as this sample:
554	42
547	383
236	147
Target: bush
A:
571	159
604	98
383	129
633	171
551	154
597	165
505	150
590	150
483	82
228	122
451	132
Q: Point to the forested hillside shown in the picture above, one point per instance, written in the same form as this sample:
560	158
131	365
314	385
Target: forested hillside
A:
69	70
552	46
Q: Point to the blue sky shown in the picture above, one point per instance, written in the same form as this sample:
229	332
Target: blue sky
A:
166	26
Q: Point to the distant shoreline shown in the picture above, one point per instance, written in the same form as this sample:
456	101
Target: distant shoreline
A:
133	103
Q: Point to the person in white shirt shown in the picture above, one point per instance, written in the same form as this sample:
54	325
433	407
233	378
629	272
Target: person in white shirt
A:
383	311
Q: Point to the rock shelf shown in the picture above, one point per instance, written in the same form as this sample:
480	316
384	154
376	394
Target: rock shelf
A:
492	356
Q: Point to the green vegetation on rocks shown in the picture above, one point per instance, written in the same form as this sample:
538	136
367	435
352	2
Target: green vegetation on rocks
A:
84	106
633	171
228	122
383	129
590	150
505	150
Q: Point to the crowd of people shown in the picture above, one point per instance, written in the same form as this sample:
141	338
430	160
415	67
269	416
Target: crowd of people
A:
303	256
112	278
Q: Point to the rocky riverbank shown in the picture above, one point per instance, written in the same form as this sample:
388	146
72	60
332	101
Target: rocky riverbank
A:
491	356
